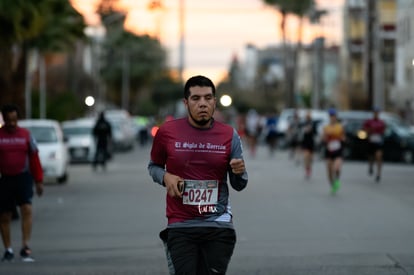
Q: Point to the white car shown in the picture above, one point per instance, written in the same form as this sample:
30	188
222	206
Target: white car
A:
53	152
81	143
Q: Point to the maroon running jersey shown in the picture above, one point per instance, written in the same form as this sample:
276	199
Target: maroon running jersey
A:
14	151
201	157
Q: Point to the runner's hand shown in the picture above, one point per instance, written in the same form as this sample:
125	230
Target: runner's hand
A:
237	166
171	183
39	189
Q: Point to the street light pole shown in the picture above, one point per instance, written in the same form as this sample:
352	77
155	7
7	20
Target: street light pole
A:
370	51
181	35
125	79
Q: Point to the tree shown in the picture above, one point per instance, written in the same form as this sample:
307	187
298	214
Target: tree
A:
45	25
63	27
300	8
20	20
130	60
144	57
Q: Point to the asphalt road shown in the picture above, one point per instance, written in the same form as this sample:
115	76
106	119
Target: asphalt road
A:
107	222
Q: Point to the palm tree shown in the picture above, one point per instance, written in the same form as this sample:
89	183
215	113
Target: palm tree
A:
20	20
300	8
45	25
131	60
63	26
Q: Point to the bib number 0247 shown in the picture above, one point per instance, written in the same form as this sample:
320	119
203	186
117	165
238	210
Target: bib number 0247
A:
200	192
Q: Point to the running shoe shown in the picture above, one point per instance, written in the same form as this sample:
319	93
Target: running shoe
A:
25	253
335	186
377	178
370	171
8	256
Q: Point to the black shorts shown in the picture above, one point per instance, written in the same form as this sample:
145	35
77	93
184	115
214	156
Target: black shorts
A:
197	250
333	154
372	147
308	145
294	143
15	190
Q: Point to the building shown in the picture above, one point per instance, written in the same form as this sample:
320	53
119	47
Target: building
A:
402	95
368	53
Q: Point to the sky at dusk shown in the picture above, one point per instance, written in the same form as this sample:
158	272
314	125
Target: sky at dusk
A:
216	30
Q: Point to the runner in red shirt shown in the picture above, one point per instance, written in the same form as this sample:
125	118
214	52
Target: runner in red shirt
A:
195	158
16	182
375	128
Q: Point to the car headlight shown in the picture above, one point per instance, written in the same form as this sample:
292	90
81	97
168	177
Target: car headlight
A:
361	134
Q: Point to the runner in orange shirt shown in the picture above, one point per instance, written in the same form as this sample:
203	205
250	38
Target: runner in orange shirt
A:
333	137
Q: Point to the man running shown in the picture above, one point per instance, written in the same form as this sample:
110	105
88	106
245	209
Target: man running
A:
293	136
333	137
308	132
375	128
192	158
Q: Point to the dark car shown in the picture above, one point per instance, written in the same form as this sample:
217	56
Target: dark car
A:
398	140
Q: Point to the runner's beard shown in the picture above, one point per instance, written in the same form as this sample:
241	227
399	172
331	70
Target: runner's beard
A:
199	122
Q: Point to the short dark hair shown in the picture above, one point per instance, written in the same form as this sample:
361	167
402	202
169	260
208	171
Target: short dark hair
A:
9	108
198	80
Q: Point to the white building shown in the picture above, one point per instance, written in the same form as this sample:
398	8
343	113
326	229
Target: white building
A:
403	91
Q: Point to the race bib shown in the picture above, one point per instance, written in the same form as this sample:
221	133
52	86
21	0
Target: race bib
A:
334	145
200	192
375	138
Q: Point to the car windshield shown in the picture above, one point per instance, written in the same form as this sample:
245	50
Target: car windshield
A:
43	134
77	131
401	130
352	125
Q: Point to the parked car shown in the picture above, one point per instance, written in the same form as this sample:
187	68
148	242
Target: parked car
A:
81	143
398	141
53	150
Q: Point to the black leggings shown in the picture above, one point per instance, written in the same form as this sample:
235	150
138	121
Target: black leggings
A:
200	250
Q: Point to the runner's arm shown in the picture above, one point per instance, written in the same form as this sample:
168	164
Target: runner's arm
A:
237	181
157	173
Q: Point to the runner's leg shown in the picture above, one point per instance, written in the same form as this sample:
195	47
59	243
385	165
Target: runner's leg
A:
184	250
378	158
307	159
329	169
371	157
27	221
217	250
5	220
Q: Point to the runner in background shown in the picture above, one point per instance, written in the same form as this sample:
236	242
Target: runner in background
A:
271	133
333	137
253	130
375	128
308	132
293	135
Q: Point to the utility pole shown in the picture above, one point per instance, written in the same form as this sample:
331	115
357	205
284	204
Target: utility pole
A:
371	11
125	79
318	69
42	86
181	36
